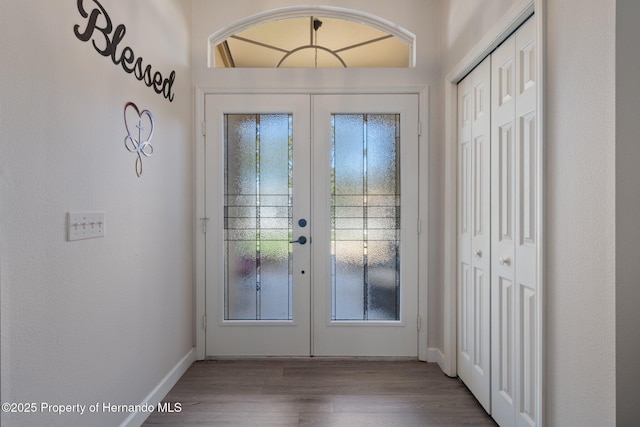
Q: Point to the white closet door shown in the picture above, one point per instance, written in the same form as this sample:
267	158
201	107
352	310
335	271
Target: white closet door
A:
526	233
513	242
474	246
502	242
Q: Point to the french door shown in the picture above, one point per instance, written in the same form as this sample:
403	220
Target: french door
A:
311	243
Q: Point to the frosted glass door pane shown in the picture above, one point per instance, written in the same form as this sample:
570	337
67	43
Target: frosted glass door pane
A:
365	217
257	229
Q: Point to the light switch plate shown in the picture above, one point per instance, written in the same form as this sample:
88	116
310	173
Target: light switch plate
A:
85	225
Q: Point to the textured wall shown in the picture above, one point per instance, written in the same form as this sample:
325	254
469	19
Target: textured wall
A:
464	23
580	234
101	320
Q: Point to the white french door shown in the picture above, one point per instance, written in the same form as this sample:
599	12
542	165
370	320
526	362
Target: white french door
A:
257	188
311	243
366	214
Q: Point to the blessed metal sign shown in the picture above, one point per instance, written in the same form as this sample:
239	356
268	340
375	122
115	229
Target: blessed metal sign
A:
105	39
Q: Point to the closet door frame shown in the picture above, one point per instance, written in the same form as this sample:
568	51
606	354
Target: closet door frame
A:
514	17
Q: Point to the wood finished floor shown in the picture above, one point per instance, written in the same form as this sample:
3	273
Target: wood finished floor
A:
320	392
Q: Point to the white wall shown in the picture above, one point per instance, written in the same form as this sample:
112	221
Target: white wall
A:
580	174
464	23
100	320
627	211
421	17
105	319
580	144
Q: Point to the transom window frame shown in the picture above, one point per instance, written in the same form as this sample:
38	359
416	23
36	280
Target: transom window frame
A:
364	18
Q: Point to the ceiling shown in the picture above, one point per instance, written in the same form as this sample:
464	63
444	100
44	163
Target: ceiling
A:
312	42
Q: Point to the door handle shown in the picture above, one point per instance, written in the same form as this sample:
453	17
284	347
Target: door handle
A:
302	240
504	261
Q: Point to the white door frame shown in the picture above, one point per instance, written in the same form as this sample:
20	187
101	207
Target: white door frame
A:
514	17
199	222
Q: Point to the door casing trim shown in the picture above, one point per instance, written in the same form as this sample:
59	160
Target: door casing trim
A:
199	196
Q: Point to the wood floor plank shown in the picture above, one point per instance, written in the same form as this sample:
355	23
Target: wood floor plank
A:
404	403
386	420
320	392
227	419
263	403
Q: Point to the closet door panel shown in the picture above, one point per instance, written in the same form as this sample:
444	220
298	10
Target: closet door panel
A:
465	327
514	237
525	112
474	245
526	236
504	230
481	238
526	389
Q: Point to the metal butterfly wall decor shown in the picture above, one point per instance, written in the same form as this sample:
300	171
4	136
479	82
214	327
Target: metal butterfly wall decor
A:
139	126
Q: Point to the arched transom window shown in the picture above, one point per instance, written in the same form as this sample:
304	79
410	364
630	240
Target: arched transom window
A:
319	38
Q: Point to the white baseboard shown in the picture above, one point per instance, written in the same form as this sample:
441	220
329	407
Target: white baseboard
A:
435	355
136	419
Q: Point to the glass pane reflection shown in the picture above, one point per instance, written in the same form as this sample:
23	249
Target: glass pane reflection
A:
365	217
257	216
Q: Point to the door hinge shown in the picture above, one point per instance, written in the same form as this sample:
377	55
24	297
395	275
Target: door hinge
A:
204	224
204	322
204	128
419	128
419	323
